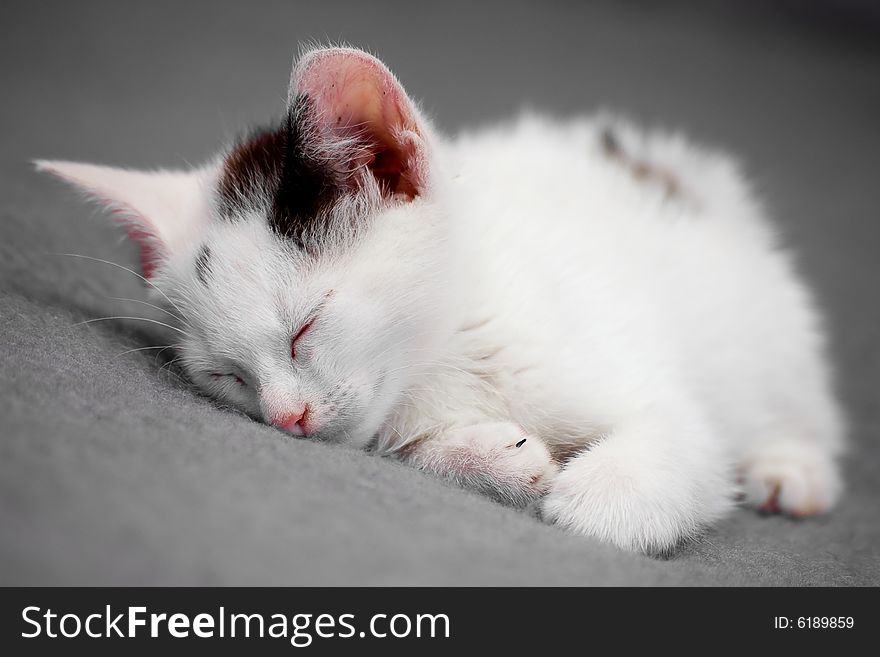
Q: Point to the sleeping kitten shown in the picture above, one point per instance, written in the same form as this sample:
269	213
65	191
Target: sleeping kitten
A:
578	313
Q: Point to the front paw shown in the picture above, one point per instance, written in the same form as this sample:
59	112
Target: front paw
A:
498	459
612	493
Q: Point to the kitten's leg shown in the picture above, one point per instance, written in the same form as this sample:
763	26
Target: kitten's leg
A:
498	459
794	477
646	486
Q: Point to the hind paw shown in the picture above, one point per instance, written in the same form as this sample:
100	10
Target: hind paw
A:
793	478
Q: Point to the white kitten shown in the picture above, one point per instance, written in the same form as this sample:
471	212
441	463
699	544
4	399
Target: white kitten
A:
579	311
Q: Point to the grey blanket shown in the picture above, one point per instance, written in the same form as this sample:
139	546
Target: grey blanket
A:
113	472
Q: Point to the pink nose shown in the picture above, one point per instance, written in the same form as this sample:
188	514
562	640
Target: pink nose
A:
295	422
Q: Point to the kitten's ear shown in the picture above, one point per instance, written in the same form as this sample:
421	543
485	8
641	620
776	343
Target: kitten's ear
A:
159	210
354	96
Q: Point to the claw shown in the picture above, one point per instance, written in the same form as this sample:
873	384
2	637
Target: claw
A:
771	504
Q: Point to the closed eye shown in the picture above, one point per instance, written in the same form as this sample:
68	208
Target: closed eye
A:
305	327
231	376
299	336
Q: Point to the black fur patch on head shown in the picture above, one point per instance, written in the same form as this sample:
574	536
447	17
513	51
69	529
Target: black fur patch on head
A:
251	171
274	171
203	264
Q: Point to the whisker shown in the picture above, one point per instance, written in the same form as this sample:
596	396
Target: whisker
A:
151	305
131	351
170	346
183	382
130	271
140	319
167	369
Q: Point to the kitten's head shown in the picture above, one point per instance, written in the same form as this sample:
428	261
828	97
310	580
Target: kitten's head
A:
306	259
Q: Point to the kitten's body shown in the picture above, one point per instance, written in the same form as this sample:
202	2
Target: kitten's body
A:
593	300
616	299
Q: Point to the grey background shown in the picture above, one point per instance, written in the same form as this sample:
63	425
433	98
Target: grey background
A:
113	473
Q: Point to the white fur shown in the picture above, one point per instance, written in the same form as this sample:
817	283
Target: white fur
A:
650	346
668	337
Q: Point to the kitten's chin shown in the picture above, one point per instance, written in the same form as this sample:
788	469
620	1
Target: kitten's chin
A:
363	434
359	435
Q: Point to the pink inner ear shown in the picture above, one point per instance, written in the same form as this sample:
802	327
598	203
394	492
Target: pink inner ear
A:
139	229
147	242
355	95
353	89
